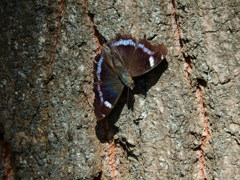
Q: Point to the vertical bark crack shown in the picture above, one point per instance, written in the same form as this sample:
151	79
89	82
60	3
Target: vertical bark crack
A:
206	134
111	155
100	39
112	160
57	31
7	164
187	69
54	42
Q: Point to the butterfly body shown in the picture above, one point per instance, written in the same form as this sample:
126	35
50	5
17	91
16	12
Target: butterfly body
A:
117	65
122	72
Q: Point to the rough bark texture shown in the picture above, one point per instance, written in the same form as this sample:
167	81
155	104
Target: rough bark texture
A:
183	121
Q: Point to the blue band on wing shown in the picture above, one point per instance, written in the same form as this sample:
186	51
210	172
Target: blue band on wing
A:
130	42
100	93
99	68
146	50
124	43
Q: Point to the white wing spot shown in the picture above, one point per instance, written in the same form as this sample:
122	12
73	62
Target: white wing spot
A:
107	104
151	61
162	57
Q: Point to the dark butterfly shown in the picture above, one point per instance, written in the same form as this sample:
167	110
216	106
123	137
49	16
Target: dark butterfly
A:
123	59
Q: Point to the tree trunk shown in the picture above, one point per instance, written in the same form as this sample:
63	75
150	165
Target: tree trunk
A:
180	122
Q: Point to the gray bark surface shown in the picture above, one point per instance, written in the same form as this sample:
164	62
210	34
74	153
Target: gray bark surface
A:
183	121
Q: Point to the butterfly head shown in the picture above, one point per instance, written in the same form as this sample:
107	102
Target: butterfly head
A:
131	84
127	80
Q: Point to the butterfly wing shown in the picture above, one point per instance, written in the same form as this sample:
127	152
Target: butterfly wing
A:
138	57
107	86
124	47
146	57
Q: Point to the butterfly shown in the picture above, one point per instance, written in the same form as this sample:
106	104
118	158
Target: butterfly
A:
119	62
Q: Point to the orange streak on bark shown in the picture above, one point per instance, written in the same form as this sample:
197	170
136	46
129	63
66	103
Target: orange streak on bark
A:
92	24
187	72
58	23
202	164
178	42
206	134
175	26
111	153
58	20
57	30
54	41
203	116
6	162
187	69
112	160
59	14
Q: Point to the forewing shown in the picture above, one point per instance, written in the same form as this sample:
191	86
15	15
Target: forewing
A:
124	47
138	57
107	86
146	57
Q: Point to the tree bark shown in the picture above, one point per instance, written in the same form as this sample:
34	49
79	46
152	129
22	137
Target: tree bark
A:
180	122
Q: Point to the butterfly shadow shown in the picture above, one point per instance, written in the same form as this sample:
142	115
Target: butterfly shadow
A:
145	82
106	129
